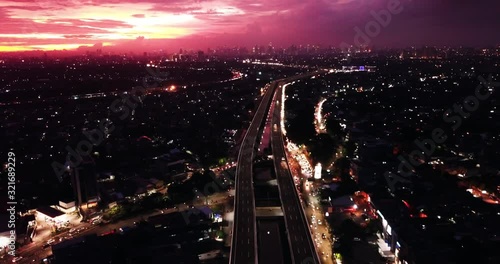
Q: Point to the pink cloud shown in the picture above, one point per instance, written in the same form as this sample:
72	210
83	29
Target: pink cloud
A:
245	22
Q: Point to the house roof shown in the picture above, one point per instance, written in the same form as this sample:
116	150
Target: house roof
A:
49	211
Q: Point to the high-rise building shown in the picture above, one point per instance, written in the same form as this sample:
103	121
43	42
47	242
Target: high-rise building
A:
201	55
270	48
84	182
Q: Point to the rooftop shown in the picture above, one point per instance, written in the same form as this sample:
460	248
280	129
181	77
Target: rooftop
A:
49	211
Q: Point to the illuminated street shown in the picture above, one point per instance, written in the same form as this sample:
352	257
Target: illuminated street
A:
319	120
250	132
321	231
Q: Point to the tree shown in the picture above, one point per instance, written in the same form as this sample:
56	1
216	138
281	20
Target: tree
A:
180	193
347	187
322	148
300	128
334	129
373	226
348	229
152	201
349	147
200	181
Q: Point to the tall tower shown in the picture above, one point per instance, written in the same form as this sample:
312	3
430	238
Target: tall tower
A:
84	181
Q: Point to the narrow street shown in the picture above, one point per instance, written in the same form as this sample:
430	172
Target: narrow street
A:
36	251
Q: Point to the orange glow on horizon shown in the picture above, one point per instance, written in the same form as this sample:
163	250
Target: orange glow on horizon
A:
46	47
46	25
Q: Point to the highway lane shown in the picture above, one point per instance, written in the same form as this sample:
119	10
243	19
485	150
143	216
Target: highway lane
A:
244	236
269	242
299	235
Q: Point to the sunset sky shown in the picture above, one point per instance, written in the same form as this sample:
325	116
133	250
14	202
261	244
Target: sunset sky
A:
135	25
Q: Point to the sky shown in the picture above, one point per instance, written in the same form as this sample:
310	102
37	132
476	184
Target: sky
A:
141	25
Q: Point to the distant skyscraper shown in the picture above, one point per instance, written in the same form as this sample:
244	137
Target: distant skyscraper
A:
201	55
270	48
84	181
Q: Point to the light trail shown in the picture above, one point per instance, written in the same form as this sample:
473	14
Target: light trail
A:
320	124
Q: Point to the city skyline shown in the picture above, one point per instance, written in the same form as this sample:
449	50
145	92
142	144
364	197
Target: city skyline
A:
140	25
249	131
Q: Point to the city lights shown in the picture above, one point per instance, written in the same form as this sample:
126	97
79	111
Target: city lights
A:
317	171
320	123
140	119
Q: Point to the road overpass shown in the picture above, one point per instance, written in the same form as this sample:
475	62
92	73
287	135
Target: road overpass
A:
244	237
299	236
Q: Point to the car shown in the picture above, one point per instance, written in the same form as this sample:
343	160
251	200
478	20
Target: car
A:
46	245
140	223
124	229
365	217
323	236
17	259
